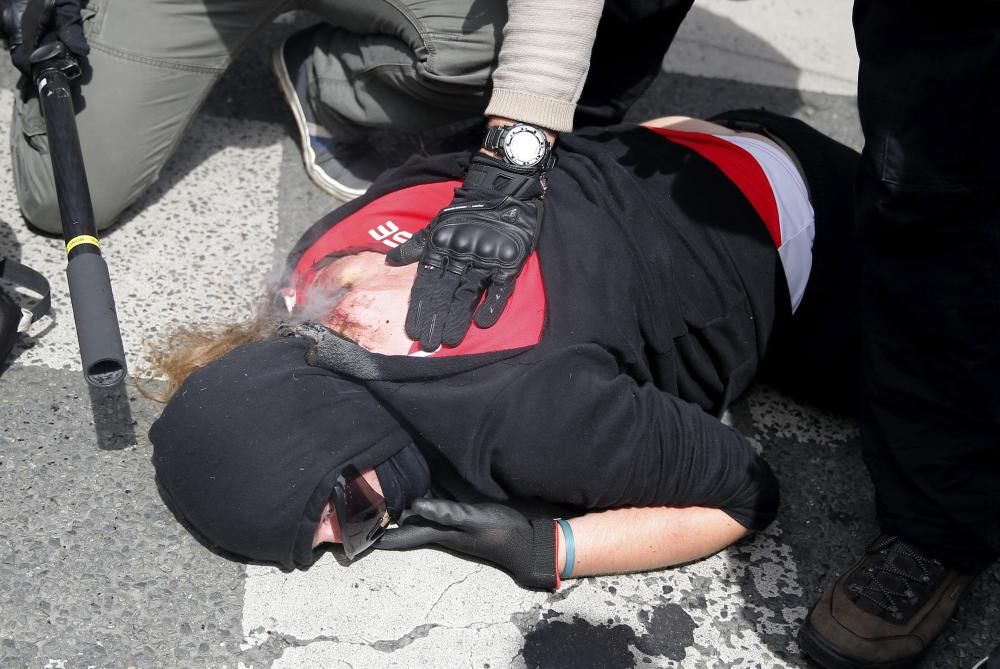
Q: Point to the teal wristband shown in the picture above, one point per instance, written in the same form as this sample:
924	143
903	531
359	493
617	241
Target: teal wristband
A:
570	548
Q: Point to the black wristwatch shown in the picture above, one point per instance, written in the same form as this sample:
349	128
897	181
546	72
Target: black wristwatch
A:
520	145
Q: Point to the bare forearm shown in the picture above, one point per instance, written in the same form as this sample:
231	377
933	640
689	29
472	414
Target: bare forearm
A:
644	538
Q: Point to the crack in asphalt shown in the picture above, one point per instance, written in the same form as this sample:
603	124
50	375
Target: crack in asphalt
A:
418	632
276	638
381	645
451	585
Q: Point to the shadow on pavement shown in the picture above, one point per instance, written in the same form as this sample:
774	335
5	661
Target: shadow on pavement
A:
114	425
702	97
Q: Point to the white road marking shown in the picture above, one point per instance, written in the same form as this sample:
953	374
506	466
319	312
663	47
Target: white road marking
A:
429	609
420	604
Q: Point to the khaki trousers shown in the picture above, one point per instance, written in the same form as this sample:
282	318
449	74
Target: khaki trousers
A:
412	64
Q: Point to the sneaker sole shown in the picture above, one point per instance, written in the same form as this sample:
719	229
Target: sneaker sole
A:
319	177
822	653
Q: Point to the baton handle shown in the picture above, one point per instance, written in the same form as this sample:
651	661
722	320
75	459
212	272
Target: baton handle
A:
100	339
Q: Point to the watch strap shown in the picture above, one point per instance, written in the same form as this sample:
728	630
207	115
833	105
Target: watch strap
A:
493	137
493	141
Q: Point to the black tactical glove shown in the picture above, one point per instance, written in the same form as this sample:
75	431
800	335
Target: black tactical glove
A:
26	23
526	549
477	243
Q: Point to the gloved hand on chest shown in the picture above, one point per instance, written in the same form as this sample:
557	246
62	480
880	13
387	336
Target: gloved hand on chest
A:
476	245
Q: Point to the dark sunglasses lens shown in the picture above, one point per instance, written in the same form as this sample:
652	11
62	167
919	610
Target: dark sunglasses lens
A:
360	510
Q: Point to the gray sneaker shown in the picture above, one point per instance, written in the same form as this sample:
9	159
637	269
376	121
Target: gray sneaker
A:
343	169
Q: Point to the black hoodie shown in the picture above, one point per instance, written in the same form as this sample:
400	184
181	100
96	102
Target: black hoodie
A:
664	296
248	449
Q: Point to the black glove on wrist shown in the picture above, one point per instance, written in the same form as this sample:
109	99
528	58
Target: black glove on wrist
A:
26	24
526	549
477	244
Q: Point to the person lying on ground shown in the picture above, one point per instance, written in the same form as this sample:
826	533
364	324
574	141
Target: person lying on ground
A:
678	262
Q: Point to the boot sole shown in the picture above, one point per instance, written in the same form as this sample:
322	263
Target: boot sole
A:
319	177
820	650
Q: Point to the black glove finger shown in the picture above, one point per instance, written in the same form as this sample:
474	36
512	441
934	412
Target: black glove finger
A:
72	36
437	510
459	516
409	251
406	516
35	20
410	536
430	300
495	302
463	305
10	22
21	58
70	32
69	25
427	274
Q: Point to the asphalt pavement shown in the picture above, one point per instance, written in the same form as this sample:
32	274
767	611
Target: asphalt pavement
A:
96	572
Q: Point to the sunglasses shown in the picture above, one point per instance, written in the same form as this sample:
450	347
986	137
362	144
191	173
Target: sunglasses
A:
361	512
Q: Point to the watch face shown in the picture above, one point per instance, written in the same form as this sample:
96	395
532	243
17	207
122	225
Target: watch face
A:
524	145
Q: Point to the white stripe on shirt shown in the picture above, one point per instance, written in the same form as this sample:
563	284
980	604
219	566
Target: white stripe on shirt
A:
796	218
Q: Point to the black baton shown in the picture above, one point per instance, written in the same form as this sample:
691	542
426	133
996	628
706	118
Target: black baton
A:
100	339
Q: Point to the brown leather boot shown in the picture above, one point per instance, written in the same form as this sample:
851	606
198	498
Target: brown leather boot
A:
885	611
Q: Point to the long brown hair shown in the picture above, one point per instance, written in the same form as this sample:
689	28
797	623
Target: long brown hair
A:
190	347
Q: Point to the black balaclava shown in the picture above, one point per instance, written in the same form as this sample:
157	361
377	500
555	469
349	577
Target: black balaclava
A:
403	477
248	449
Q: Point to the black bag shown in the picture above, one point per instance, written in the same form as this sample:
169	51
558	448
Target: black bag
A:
15	319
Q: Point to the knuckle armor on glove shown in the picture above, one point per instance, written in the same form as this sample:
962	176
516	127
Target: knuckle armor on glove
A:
478	244
465	234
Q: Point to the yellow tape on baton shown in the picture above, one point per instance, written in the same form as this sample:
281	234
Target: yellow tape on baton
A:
82	239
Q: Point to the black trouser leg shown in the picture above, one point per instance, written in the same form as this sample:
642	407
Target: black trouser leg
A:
928	203
815	354
631	41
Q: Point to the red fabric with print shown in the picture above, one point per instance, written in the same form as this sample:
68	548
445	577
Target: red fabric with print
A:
741	168
389	221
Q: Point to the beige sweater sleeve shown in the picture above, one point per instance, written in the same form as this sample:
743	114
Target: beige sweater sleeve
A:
544	60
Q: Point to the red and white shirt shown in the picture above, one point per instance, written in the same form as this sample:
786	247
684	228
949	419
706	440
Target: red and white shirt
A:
775	188
764	174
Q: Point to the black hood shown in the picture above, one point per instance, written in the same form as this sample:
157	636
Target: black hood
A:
248	449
